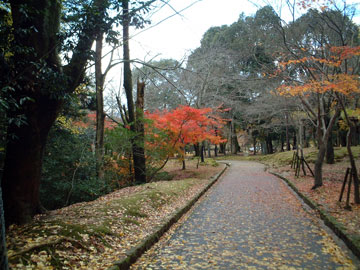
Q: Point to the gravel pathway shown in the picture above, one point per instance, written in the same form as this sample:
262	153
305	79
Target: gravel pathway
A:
249	220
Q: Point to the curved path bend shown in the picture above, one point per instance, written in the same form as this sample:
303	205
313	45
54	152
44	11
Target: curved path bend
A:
249	220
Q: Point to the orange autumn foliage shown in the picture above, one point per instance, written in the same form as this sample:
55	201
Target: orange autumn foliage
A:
90	122
186	125
341	81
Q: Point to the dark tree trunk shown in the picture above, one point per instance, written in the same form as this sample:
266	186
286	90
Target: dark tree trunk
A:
3	252
202	152
209	149
26	143
342	138
352	126
287	133
263	148
137	149
314	137
294	141
38	31
21	186
254	145
318	166
100	115
330	155
322	139
269	146
306	138
197	149
223	148
216	150
353	164
139	152
282	143
356	134
234	142
183	159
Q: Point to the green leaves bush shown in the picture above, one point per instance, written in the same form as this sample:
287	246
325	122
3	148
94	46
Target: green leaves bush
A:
69	174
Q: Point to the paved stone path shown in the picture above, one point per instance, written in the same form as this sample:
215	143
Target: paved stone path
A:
249	220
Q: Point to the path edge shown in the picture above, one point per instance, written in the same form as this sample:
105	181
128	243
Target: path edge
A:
329	221
134	253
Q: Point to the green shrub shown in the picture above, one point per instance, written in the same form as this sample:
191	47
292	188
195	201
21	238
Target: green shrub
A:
69	174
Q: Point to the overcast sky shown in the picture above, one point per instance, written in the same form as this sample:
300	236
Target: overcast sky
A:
177	36
181	33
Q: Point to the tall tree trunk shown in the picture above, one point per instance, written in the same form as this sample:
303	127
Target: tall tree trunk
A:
254	145
320	157
223	148
356	134
305	138
197	149
202	152
330	155
140	133
138	156
322	138
269	146
301	144
233	137
38	32
294	141
353	165
263	148
318	166
287	133
216	150
3	252
348	146
21	186
183	159
100	115
234	140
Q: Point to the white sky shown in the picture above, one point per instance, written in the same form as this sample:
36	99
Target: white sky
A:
178	35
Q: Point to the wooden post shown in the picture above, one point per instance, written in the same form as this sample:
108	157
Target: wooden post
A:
297	170
301	145
344	184
293	160
302	165
347	206
312	173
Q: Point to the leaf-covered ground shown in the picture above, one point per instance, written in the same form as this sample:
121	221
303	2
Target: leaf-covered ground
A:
93	235
327	196
249	220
